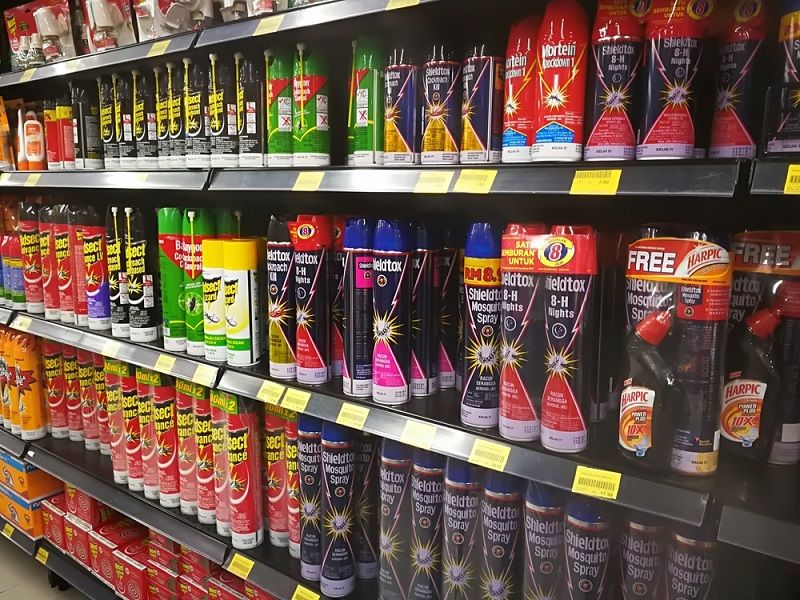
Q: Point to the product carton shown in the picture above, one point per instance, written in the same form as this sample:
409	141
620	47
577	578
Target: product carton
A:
160	18
50	20
107	538
165	542
162	577
165	558
53	513
26	480
197	567
156	592
220	591
76	533
130	567
253	592
87	508
24	515
108	24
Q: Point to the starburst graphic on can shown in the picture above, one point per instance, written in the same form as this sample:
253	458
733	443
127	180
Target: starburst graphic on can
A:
482	353
339	523
496	586
388	544
457	574
424	556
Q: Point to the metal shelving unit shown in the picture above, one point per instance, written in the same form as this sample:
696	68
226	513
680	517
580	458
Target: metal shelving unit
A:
191	180
19	539
73	573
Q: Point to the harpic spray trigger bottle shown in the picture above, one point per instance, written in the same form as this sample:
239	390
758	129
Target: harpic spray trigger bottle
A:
402	115
96	268
337	299
501	537
117	277
222	112
395	515
441	111
460	543
141	264
279	108
519	126
312	239
365	115
30	248
427	497
198	225
214	324
425	296
641	551
481	379
171	265
312	139
451	274
250	108
357	308
309	446
587	548
145	133
617	40
522	376
544	541
561	48
391	356
482	107
281	293
243	276
195	115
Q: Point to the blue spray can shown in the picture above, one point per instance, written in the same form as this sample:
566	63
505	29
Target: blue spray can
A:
394	541
309	455
427	489
357	309
587	545
366	531
425	297
501	522
544	542
641	548
462	497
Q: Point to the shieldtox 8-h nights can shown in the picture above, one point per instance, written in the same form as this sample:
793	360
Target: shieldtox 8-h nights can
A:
425	296
587	547
402	116
641	550
481	379
519	127
365	115
309	456
427	484
244	464
204	441
358	283
366	529
544	541
501	522
141	264
195	115
244	274
145	131
482	107
282	302
441	110
311	146
279	108
460	543
395	514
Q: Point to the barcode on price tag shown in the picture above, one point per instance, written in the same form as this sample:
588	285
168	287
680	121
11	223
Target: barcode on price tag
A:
596	482
302	593
597	182
352	416
8	530
270	392
792	184
489	454
240	566
22	323
295	400
42	555
475	181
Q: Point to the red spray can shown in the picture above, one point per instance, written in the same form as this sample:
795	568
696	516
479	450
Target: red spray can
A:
275	479
219	441
519	116
617	42
561	48
91	426
133	432
203	434
31	255
64	274
72	392
166	425
104	435
147	430
185	394
47	251
292	484
55	387
244	464
116	419
75	218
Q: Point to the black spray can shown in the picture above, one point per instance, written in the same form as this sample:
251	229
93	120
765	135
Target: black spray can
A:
450	273
145	132
195	115
123	118
425	297
141	269
117	278
357	309
222	112
281	298
587	543
641	550
395	540
427	488
86	125
309	455
366	531
250	111
689	572
460	543
501	522
544	542
177	142
108	133
162	116
338	571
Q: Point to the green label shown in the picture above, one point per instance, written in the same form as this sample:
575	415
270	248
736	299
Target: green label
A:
367	111
172	298
310	115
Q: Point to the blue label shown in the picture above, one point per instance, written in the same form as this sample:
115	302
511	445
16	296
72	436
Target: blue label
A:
514	139
555	133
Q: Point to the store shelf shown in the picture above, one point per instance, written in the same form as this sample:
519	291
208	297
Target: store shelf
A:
5	315
19	539
768	176
194	180
73	573
151	357
650	178
432	423
173	45
307	16
12	444
92	472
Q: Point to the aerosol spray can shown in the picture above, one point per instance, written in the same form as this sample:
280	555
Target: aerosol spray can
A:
13	284
228	223
425	296
479	396
171	265
107	123
72	392
544	541
47	249
133	439
117	277
365	115
311	146
450	328
30	249
309	446
91	430
145	126
402	116
519	118
690	563
482	107
64	275
312	240
337	296
274	464
244	274
5	382
141	269
460	542
357	308
219	443
177	140
116	419
54	150
522	373
501	536
147	429
338	570
161	90
86	126
292	484
427	489
95	260
561	48
391	356
123	120
441	110
250	108
222	112
214	325
204	434
641	551
244	463
27	369
53	372
395	514
197	124
198	225
166	428
366	530
64	118
104	433
279	108
617	40
13	402
281	293
76	216
587	547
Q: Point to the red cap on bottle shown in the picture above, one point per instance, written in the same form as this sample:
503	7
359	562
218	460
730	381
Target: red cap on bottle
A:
311	232
763	322
654	327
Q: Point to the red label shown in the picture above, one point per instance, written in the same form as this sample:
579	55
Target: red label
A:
276	477
101	400
66	282
244	462
55	385
171	246
166	425
147	431
31	261
206	499
47	248
78	269
519	120
133	434
219	424
187	451
72	389
293	480
88	396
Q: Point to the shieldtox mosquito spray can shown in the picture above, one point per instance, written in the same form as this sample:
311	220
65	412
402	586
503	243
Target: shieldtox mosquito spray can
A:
244	463
219	443
145	126
441	110
53	372
460	543
587	547
95	261
312	240
64	274
141	264
251	107
522	376
479	396
544	541
162	116
116	420
292	484
450	330
309	446
427	487
357	308
214	325
47	250
186	393
177	140
107	126
76	218
391	356
274	479
195	115
425	296
91	431
366	531
147	429
123	119
198	225
311	146
204	434
482	108
641	548
281	293
689	571
102	404
365	116
402	115
171	262
519	127
395	515
244	274
86	126
501	537
30	248
222	112
117	277
132	431
279	108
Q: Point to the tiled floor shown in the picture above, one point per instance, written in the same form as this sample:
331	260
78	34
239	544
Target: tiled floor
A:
21	577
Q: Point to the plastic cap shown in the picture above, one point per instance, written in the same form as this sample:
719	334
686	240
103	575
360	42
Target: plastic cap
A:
544	496
427	236
460	471
392	235
501	483
358	234
586	510
332	432
309	423
311	232
338	232
483	241
428	460
526	229
213	254
763	322
242	254
572	230
654	327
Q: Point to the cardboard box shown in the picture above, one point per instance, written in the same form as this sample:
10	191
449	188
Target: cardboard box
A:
26	480
165	558
253	592
165	542
107	538
86	508
197	567
50	19
219	591
53	513
162	577
76	533
130	568
190	590
230	580
24	515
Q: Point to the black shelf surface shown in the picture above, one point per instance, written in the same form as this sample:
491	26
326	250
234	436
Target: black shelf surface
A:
715	178
435	420
73	573
5	315
19	539
191	180
142	355
12	444
92	472
127	54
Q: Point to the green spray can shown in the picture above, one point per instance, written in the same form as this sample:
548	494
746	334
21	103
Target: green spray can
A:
279	108
365	117
198	225
312	137
228	223
170	255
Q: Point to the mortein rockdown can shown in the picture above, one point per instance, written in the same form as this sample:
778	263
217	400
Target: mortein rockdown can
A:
292	484
309	456
102	404
219	443
53	371
337	291
186	393
460	544
366	531
30	249
395	541
402	115
501	524
204	442
427	484
519	127
587	548
244	464
544	541
358	283
166	429
641	551
144	389
274	479
450	329
281	297
91	431
425	296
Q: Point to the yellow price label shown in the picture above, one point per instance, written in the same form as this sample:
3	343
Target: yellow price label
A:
268	25
32	180
489	454
270	392
395	4
308	181
27	75
434	182
596	482
22	323
204	375
5	177
164	363
352	416
597	182
110	348
792	184
302	593
240	566
418	434
158	48
475	181
295	400
8	530
42	555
